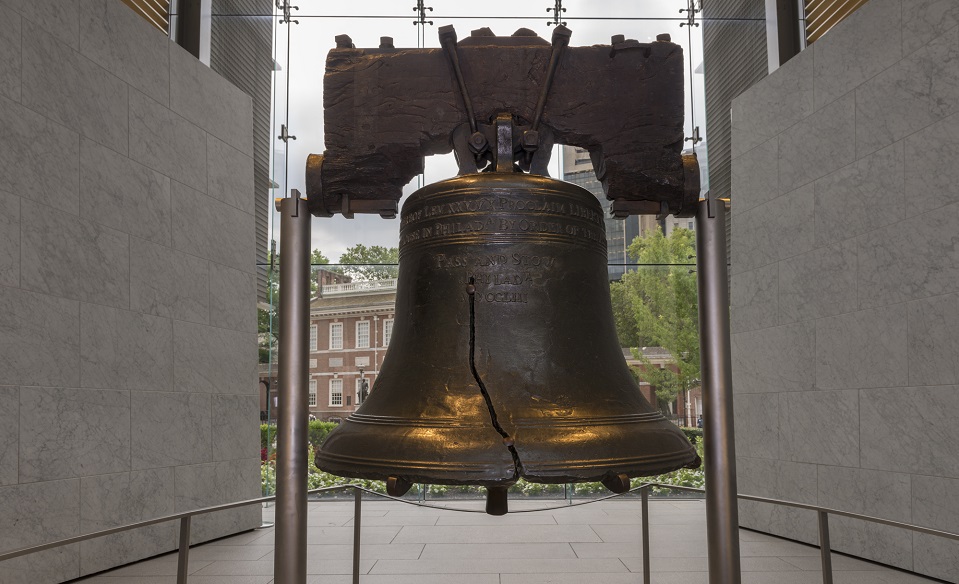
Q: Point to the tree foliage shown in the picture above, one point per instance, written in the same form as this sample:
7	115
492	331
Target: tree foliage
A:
370	263
657	306
268	323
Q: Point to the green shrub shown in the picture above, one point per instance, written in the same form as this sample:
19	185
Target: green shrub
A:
694	435
319	431
267	435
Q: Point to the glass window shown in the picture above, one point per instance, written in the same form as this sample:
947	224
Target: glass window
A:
336	392
312	392
363	334
312	337
336	336
387	331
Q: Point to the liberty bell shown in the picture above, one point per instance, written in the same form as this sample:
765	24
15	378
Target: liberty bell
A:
504	361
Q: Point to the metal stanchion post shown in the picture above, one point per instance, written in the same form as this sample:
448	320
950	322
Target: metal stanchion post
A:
289	564
647	577
183	558
824	548
357	513
722	512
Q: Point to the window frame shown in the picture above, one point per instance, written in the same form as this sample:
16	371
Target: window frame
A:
312	393
336	346
314	336
333	393
368	328
387	331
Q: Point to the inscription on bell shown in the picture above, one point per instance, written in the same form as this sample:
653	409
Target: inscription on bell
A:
443	260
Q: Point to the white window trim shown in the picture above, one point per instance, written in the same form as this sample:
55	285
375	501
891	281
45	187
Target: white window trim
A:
333	393
332	326
368	329
313	337
387	336
313	393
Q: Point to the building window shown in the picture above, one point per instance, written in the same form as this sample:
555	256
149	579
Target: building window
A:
387	331
312	337
363	334
336	392
312	392
336	336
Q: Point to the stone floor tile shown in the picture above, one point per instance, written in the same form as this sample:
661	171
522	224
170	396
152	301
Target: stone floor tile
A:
499	566
491	534
495	551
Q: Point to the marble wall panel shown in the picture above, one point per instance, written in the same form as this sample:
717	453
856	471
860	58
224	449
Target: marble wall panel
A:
211	484
775	359
170	429
778	479
858	49
236	427
34	514
164	141
818	145
210	101
10	49
934	504
916	258
755	176
917	91
922	420
70	89
9	240
9	435
92	432
83	260
820	427
773	231
231	244
754	299
862	349
924	20
39	160
124	43
210	359
235	294
757	425
861	197
168	283
39	339
59	18
124	349
936	556
932	341
780	101
230	175
124	195
818	284
931	173
120	499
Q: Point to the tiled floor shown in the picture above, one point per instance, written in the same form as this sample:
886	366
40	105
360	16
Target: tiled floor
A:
596	543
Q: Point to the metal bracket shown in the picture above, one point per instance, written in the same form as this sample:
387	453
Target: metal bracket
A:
695	138
421	17
285	7
691	13
556	10
285	135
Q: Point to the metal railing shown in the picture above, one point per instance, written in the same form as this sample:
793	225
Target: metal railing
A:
823	514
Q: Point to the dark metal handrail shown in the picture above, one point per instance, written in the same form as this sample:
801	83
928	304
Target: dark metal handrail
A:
186	516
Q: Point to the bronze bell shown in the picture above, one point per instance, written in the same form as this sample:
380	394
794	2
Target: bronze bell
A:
504	362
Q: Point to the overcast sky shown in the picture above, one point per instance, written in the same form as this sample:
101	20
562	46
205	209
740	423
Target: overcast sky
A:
367	20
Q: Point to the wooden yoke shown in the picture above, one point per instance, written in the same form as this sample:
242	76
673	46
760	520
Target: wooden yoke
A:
387	108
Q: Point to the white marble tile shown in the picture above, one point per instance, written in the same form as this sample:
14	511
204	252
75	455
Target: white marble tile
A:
210	101
9	435
754	299
757	425
935	556
777	479
170	429
39	160
755	176
818	145
234	299
124	43
68	256
43	349
213	230
168	283
166	142
68	88
10	63
9	240
933	341
930	175
126	350
121	499
34	514
915	92
92	433
236	432
857	48
818	283
910	430
881	543
124	195
774	104
775	359
924	20
215	483
61	19
230	175
935	505
773	231
209	359
915	258
887	495
862	349
819	427
862	197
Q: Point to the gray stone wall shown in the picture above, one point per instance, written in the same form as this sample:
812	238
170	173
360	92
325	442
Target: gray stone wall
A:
845	284
127	288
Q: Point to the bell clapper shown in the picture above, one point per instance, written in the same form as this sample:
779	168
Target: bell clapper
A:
496	500
618	483
397	487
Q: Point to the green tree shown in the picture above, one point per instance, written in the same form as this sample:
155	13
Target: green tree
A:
370	263
662	304
316	259
266	314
